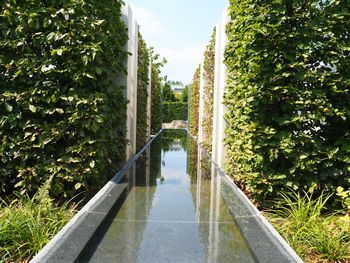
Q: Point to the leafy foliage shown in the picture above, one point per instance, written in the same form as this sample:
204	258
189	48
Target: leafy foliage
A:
288	97
345	198
157	98
184	95
208	93
62	113
174	111
143	81
168	93
194	103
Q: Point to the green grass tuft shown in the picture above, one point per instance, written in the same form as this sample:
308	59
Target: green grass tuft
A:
28	224
313	234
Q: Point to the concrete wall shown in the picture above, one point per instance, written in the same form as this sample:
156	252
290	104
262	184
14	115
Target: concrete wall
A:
219	123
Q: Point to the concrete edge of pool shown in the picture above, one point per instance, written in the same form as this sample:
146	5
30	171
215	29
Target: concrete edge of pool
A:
264	241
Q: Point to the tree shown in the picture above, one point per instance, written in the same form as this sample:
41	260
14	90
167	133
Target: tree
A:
168	93
184	96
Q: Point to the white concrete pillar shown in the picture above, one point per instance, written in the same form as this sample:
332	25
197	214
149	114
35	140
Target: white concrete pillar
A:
130	81
149	99
220	77
202	85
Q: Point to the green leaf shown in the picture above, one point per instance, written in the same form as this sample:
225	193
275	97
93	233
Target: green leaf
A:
8	107
32	108
59	110
302	157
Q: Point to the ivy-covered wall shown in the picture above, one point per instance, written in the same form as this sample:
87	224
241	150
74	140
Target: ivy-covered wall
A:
174	111
194	103
142	93
208	93
60	107
288	100
156	84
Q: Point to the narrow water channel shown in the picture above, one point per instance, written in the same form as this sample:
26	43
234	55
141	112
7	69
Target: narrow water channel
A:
173	211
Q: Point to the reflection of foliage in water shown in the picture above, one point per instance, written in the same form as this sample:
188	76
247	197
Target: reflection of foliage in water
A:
141	170
197	160
174	140
205	166
155	160
192	159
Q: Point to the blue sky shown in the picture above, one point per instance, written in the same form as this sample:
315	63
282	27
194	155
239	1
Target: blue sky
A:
178	30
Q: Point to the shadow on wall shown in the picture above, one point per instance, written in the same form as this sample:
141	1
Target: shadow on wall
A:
178	124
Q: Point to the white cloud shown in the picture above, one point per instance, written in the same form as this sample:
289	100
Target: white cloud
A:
149	23
193	55
171	174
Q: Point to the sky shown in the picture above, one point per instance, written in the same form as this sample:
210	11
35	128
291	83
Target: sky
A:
178	30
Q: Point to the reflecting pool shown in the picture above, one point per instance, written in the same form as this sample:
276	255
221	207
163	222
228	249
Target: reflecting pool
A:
172	211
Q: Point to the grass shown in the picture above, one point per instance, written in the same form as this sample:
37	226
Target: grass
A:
28	224
314	235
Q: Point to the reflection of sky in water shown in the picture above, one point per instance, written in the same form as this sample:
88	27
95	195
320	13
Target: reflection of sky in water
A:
173	171
175	160
176	220
173	201
171	176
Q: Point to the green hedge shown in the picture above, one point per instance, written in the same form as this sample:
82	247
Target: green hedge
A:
288	99
157	101
142	92
174	111
208	93
61	112
194	103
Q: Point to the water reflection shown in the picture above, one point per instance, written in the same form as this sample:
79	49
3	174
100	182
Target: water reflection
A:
173	211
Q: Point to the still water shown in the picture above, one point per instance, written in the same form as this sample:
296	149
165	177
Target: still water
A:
173	211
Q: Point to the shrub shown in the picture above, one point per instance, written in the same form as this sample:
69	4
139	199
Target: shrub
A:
62	112
288	95
174	111
344	196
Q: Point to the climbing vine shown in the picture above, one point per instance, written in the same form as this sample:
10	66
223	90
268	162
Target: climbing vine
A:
194	103
287	98
156	84
208	93
61	113
142	92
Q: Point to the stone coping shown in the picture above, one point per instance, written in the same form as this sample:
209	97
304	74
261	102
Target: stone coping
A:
67	245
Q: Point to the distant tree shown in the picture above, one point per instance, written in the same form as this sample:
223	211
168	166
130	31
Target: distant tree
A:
184	96
168	93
